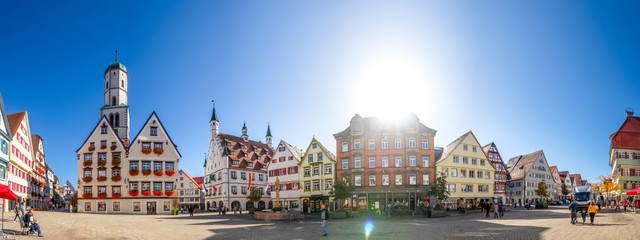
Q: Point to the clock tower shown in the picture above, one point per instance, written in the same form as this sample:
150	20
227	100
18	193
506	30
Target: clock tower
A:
115	107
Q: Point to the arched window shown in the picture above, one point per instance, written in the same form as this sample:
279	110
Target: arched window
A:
122	83
117	123
113	100
106	86
111	118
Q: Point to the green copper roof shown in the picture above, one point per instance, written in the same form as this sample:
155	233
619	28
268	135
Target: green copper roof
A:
205	161
214	117
244	125
269	131
115	65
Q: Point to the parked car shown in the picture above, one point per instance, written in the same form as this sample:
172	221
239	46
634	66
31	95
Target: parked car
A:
213	209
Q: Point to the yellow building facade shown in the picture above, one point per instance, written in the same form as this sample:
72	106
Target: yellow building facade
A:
469	173
317	174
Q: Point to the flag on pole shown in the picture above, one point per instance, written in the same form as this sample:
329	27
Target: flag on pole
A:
250	180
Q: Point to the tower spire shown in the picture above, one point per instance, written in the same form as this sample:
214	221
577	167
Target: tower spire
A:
269	130
116	55
214	117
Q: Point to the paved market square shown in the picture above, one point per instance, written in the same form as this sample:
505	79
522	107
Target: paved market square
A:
552	223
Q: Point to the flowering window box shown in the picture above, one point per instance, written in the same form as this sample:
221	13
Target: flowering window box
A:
91	148
146	151
87	179
117	195
115	162
133	193
102	163
146	193
102	195
157	193
134	172
103	147
87	196
87	163
101	179
158	151
157	172
116	178
146	172
168	193
113	147
170	172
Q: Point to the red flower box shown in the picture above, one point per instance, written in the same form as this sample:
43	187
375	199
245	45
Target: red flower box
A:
146	193
115	162
133	193
168	193
116	178
134	172
87	179
87	196
118	195
113	147
146	172
146	150
101	179
102	163
158	151
102	195
87	163
157	172
103	147
157	193
91	148
170	172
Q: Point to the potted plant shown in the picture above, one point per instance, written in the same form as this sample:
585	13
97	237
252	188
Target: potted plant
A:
158	151
145	193
116	195
157	172
134	172
103	146
168	193
102	195
91	148
116	178
87	179
115	162
133	193
102	178
146	172
170	172
87	196
113	147
102	163
157	193
87	163
146	151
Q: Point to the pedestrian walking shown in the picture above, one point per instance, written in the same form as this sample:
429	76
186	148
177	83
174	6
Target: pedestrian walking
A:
501	209
573	207
599	205
220	210
625	204
17	210
584	216
325	219
592	211
495	210
191	209
240	209
487	207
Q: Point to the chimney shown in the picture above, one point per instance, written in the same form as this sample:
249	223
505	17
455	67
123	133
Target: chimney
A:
629	112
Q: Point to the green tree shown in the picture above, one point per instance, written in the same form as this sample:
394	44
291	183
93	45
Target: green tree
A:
254	195
542	189
74	199
439	189
340	192
565	190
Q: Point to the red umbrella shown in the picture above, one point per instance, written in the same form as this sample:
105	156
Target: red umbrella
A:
634	192
6	193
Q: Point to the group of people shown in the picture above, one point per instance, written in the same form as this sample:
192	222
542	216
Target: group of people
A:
27	218
498	209
591	211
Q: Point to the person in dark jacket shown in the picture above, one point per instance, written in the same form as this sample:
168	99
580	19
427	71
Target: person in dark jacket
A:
573	207
487	207
325	219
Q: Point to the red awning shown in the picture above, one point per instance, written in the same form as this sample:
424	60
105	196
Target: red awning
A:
634	192
6	193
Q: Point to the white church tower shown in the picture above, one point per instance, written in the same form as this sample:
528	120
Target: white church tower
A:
115	109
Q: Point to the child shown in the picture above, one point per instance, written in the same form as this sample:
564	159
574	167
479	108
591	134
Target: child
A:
584	216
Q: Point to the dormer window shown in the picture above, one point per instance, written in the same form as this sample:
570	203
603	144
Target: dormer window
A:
249	164
154	131
103	130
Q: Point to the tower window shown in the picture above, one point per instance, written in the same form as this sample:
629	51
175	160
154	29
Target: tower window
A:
111	118
122	83
117	123
106	85
113	100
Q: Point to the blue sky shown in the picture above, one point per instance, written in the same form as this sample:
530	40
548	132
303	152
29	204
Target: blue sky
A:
526	75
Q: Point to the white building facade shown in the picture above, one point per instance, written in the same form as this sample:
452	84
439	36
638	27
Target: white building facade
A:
189	192
527	172
283	170
21	157
5	145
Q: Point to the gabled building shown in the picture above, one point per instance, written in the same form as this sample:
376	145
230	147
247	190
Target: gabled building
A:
21	158
68	190
388	163
233	165
557	190
500	174
38	175
190	192
565	179
283	175
576	179
527	172
5	145
624	153
317	175
470	175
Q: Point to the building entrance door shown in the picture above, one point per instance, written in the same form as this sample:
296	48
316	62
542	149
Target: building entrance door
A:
151	207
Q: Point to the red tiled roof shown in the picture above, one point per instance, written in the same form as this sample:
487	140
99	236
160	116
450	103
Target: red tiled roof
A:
578	179
199	181
14	121
520	165
235	145
553	168
563	175
192	178
628	136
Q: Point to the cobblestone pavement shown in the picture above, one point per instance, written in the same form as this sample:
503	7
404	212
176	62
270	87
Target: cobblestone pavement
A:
552	223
